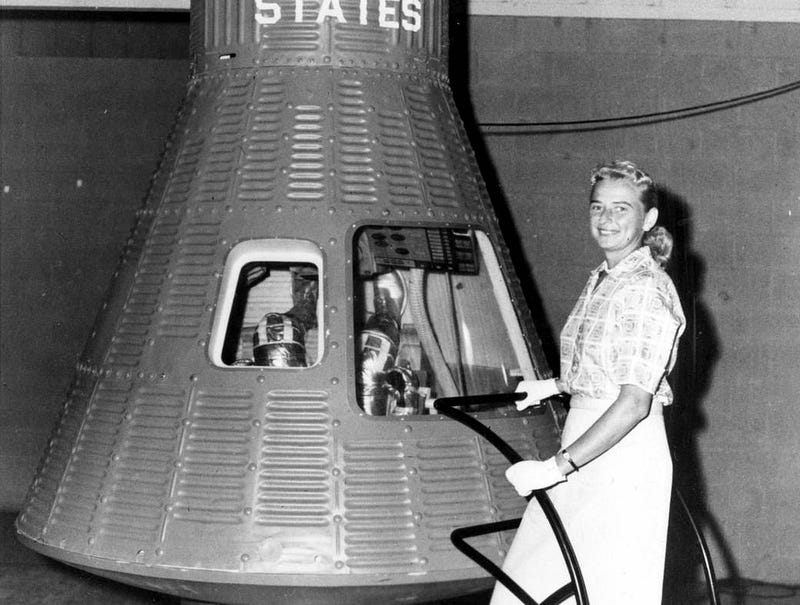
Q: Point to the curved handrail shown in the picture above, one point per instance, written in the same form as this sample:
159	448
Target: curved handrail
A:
708	566
449	407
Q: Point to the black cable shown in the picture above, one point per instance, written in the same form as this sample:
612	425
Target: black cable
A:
501	128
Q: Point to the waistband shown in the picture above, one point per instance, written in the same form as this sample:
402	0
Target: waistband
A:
582	402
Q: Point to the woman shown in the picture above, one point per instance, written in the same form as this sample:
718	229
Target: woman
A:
617	347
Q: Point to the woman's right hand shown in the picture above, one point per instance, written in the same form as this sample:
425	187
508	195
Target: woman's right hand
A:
535	391
529	475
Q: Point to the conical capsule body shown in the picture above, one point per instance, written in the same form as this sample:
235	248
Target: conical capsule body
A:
316	262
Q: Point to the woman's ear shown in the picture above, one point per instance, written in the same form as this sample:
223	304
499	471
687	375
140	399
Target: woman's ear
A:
650	219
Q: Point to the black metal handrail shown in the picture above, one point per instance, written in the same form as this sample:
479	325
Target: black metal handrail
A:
708	566
449	407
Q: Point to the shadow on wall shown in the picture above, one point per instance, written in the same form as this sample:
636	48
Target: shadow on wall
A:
691	378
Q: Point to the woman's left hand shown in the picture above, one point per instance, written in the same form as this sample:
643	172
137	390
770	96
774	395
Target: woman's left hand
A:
531	475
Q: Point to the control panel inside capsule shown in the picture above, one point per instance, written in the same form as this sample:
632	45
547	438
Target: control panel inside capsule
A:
433	318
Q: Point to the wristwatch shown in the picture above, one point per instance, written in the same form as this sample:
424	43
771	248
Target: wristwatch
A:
565	455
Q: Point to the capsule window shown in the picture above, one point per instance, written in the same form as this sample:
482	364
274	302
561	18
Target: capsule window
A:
433	318
269	307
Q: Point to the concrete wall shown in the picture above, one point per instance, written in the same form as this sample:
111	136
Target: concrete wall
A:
88	99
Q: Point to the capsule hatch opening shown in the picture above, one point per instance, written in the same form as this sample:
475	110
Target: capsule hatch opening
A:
433	318
269	310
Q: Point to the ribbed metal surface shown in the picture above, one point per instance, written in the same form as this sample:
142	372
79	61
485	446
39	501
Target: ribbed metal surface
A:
142	465
355	148
294	482
174	473
453	487
212	481
379	521
261	147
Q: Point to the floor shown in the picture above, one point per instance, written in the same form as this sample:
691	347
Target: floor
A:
27	578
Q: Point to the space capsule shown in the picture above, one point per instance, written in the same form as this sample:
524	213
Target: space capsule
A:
317	261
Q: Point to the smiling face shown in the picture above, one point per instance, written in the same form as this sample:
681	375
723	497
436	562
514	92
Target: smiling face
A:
618	219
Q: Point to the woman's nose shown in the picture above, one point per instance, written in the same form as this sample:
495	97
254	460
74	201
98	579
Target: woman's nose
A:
605	215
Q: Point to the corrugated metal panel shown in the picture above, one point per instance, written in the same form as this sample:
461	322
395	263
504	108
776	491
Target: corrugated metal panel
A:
379	521
356	146
259	168
294	476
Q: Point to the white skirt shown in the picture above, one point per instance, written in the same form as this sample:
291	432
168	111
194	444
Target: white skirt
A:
615	512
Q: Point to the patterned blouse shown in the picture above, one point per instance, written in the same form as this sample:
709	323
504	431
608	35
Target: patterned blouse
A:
623	330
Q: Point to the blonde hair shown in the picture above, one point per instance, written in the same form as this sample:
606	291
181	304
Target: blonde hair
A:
658	239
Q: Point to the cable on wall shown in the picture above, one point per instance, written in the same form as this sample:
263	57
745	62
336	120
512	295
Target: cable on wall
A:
515	128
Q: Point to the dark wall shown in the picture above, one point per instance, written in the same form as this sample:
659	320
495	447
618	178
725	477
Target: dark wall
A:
87	103
88	100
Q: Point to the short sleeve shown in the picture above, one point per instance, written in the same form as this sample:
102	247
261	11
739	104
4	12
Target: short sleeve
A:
645	332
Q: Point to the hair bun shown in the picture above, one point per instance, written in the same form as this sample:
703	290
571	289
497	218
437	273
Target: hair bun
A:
659	240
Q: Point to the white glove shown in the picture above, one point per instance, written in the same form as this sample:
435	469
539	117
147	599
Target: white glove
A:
530	475
536	391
